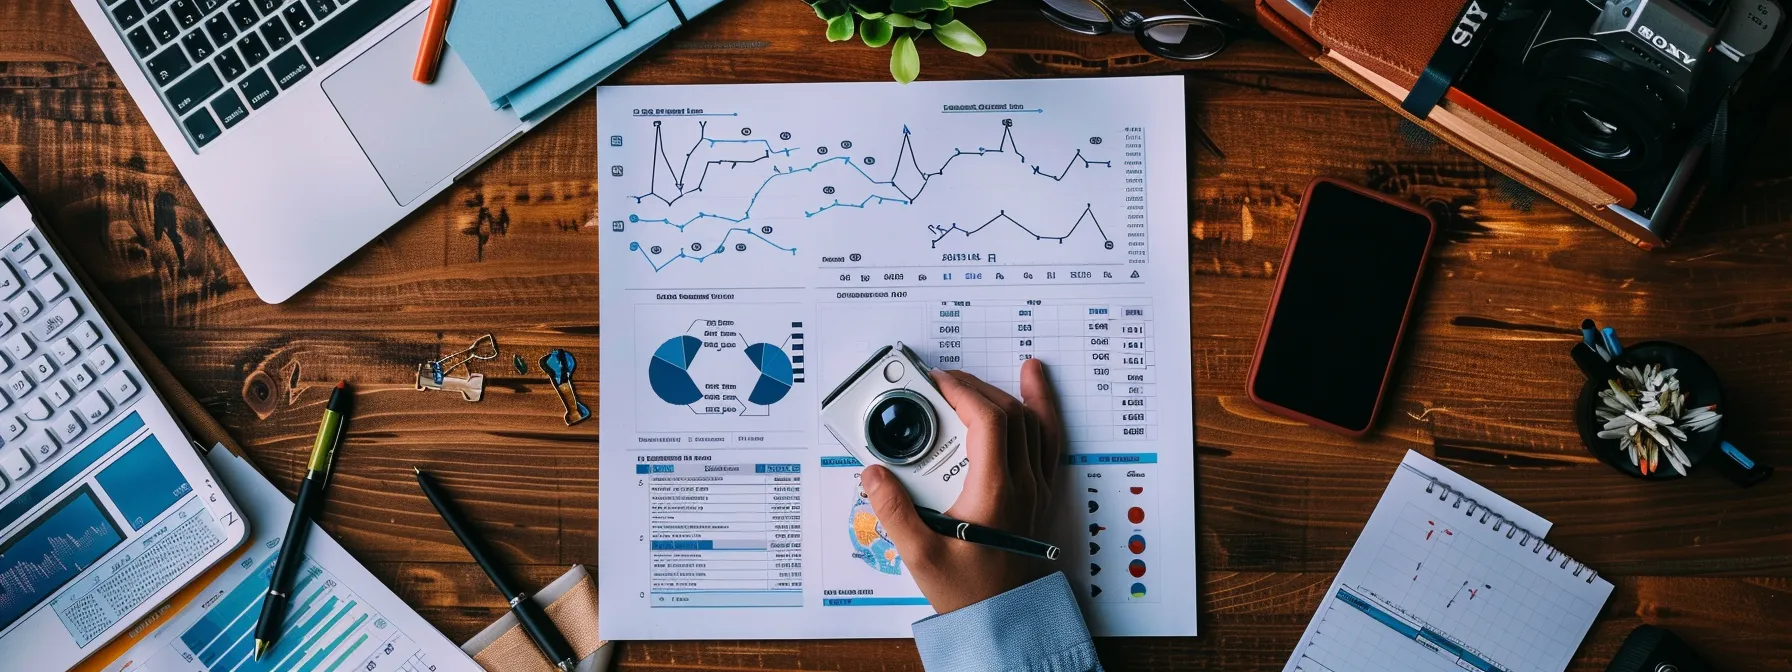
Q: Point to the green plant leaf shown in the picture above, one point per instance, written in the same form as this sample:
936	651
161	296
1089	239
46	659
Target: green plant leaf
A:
960	37
943	16
840	28
899	21
868	16
829	9
875	33
965	3
905	61
916	6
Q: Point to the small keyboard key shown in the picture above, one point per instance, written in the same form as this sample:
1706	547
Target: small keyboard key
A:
18	384
128	14
57	319
51	287
141	42
25	307
164	67
13	462
193	91
254	51
38	443
242	14
9	282
258	88
59	393
152	5
275	33
34	266
80	376
230	108
208	5
351	22
120	386
102	360
19	345
289	67
6	325
93	408
37	410
21	248
321	8
40	369
268	6
67	427
297	18
198	46
203	128
230	66
162	26
85	335
220	29
185	12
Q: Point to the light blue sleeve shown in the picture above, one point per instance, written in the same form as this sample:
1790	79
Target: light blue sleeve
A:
1034	628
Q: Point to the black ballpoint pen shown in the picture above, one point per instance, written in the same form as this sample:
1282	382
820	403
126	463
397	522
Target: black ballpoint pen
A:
986	536
533	618
292	546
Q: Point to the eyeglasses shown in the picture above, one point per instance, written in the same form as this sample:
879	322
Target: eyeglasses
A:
1180	37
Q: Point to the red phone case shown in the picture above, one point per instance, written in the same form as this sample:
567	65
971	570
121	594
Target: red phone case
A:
1263	335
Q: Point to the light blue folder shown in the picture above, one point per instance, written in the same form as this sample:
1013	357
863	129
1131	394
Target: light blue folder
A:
534	55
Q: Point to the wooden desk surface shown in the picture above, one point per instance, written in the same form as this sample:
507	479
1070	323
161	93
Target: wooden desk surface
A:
1486	387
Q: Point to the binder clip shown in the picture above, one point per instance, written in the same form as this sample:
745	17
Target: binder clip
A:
437	374
559	365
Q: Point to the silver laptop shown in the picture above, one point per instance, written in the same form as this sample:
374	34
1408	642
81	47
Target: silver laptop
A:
106	507
296	122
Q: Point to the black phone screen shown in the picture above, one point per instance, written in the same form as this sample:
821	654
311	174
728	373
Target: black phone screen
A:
1343	302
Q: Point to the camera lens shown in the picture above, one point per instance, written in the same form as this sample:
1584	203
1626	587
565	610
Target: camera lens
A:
900	426
1587	131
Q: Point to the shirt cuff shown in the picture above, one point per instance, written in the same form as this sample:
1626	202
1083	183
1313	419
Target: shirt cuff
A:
1036	628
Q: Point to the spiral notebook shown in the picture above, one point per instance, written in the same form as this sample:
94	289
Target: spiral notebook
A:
1449	576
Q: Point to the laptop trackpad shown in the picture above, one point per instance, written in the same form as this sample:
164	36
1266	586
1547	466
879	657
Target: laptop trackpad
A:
416	135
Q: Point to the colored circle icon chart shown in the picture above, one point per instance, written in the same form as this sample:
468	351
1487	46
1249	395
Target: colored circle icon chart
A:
714	369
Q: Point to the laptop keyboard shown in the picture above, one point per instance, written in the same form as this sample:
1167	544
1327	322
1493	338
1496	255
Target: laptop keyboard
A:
61	369
216	62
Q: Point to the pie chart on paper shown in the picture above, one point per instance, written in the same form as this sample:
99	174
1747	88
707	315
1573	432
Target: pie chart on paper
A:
776	376
669	374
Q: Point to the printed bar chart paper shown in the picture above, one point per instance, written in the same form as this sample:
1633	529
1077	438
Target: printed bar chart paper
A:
340	619
760	241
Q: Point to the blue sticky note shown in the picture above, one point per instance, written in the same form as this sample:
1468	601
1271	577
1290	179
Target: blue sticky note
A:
507	43
649	22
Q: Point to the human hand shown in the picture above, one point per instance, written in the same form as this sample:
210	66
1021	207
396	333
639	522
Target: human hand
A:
1014	447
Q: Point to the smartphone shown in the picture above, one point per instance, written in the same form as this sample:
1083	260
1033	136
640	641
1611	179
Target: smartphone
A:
1348	282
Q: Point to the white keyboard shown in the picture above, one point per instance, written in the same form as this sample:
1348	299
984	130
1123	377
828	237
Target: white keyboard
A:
62	372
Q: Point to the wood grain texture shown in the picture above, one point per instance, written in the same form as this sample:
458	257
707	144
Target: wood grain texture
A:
1485	386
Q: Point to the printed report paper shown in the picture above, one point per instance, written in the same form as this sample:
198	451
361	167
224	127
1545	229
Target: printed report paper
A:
760	241
342	619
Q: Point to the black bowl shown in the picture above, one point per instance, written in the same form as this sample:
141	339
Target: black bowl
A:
1697	380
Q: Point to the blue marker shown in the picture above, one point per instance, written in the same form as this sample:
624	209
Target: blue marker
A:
1611	341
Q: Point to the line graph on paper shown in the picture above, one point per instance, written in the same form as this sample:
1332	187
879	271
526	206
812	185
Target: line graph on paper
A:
1439	597
714	197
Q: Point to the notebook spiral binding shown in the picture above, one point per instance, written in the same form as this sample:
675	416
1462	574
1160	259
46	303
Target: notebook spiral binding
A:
1444	492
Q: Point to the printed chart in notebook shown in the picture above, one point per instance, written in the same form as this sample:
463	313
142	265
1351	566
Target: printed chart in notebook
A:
760	241
1446	584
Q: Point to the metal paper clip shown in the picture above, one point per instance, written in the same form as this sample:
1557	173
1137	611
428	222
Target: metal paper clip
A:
436	375
559	365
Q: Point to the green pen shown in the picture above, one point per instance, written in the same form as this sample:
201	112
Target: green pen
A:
292	546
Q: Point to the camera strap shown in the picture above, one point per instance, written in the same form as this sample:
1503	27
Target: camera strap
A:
1462	41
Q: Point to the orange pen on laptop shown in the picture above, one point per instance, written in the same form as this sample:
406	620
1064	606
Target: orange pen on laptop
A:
429	54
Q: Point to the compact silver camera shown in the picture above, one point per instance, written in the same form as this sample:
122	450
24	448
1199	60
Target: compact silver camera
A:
889	412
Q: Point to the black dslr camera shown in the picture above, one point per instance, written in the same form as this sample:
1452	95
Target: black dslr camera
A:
1629	86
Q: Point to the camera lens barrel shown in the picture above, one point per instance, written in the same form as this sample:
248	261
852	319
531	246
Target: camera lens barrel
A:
900	426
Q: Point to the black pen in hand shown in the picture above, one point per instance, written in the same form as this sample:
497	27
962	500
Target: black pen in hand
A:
292	546
986	536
